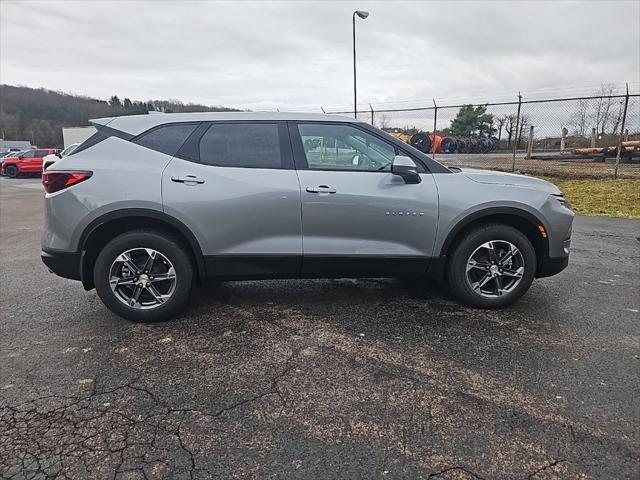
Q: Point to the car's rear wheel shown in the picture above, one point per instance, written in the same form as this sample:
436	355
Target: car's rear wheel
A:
491	266
11	171
144	276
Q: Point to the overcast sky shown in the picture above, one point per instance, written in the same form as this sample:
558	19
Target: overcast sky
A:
263	55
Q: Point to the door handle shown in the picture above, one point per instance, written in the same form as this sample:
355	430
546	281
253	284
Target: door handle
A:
188	179
321	189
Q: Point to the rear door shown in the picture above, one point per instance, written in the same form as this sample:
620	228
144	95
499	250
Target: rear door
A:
36	163
233	184
358	218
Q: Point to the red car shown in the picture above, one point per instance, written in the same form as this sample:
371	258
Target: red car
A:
29	161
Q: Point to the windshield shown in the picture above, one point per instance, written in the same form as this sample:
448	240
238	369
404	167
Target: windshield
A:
69	150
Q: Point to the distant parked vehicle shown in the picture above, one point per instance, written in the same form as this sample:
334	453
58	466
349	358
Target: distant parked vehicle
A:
29	161
6	155
54	157
10	154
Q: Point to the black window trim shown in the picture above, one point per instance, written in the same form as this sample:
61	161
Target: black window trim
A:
301	159
193	142
102	133
139	137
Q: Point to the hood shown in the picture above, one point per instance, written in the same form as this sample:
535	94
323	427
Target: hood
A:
504	178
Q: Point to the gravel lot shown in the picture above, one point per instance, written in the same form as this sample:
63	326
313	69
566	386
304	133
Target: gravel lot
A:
322	379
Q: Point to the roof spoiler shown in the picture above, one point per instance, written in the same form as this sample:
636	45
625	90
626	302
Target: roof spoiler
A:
101	121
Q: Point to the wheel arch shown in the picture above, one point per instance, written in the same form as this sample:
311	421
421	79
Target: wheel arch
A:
101	230
522	220
11	165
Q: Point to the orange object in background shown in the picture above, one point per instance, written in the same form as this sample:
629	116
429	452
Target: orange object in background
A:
436	140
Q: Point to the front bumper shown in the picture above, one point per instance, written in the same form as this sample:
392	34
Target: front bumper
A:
551	266
67	265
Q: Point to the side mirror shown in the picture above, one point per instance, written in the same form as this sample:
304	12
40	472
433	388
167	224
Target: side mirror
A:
57	154
406	168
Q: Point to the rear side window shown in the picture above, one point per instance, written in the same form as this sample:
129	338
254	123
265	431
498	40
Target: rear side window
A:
253	145
167	138
102	133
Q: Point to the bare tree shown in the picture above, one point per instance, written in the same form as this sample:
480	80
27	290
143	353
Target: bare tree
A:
383	122
500	122
509	122
603	111
524	123
580	119
616	124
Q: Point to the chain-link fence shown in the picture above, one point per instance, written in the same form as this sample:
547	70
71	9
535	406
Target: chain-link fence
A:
585	137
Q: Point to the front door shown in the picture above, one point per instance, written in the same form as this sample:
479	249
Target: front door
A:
358	218
30	161
233	184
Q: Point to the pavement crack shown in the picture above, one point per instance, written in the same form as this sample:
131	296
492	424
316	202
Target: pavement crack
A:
543	468
110	432
185	448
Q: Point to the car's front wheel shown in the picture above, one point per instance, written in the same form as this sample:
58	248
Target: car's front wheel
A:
491	266
11	171
144	276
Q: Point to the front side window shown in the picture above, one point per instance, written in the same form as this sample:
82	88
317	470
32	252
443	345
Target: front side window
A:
29	154
167	138
253	145
343	147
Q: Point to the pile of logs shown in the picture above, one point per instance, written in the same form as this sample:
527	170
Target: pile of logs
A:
628	147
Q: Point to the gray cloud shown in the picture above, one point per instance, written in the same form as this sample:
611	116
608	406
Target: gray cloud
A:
298	54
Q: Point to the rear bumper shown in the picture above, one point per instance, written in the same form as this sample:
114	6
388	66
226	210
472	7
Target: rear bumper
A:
67	265
551	266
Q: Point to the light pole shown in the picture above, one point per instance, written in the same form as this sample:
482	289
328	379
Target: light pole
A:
362	14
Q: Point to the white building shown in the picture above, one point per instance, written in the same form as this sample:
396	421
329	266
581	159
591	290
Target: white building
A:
76	134
14	145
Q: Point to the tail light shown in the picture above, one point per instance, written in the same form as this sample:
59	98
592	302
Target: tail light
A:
56	181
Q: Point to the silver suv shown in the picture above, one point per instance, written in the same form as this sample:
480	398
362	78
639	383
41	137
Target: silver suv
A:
152	204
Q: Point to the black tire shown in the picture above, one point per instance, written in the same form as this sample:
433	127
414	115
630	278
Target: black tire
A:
11	171
421	141
166	245
456	273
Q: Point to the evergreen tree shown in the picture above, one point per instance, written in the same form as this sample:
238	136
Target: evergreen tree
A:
471	122
115	102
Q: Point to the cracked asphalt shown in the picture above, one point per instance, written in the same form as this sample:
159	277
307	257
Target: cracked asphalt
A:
322	379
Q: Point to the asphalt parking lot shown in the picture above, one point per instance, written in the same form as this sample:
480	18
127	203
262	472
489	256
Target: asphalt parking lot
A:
322	379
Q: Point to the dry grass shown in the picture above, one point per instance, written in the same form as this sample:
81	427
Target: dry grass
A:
613	198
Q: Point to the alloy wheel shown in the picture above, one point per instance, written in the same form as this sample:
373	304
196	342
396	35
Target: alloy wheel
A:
495	268
142	278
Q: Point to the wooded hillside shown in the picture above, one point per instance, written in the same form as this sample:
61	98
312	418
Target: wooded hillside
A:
38	115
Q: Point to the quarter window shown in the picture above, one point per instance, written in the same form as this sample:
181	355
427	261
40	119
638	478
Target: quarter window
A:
343	147
254	145
167	138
